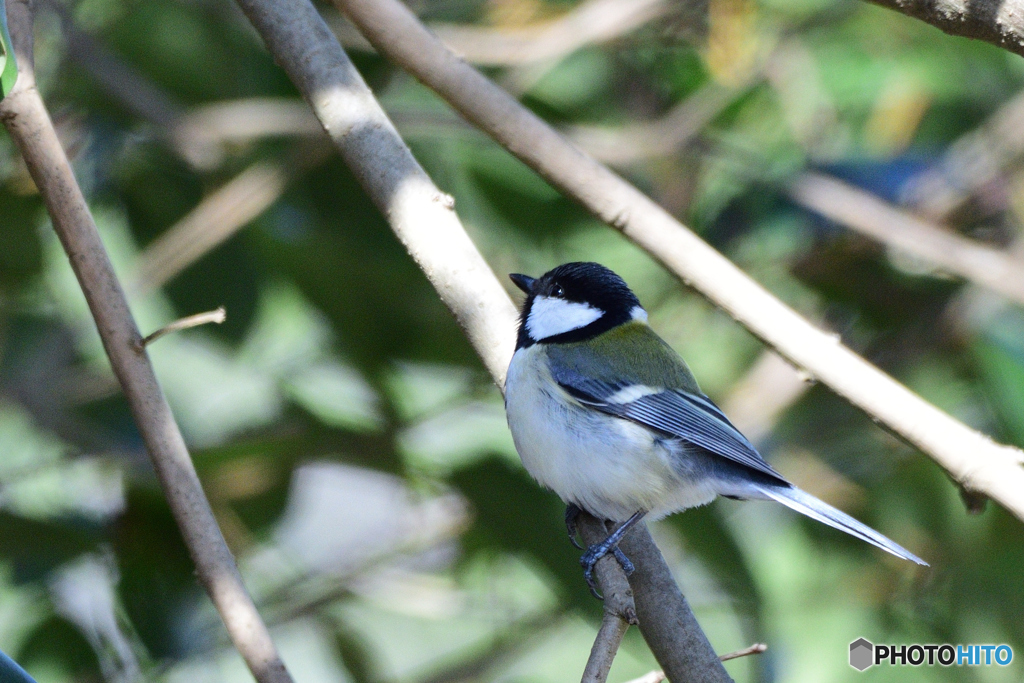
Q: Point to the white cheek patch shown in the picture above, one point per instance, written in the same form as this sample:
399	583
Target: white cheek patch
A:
550	317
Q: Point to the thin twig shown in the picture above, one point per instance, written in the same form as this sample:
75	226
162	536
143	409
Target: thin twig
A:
755	649
651	677
619	610
424	220
29	125
970	457
659	676
216	316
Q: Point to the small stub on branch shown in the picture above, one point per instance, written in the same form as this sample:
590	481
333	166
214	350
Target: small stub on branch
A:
216	316
755	649
659	676
445	200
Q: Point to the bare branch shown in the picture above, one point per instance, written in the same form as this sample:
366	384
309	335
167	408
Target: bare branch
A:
666	621
619	610
424	220
422	216
216	316
993	268
1000	22
971	458
29	125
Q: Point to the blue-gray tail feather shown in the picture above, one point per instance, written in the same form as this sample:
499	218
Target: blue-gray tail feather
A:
806	504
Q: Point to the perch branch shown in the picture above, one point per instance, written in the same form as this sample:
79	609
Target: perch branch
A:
971	458
619	610
29	125
666	621
424	220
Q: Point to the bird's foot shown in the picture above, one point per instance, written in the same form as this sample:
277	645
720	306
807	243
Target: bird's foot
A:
572	513
595	553
609	545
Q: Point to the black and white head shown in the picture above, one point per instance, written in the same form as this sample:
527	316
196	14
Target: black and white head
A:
574	302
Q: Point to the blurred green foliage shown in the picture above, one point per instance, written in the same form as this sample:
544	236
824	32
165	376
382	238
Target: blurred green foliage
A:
353	449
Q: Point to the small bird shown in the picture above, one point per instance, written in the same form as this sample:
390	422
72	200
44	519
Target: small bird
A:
604	413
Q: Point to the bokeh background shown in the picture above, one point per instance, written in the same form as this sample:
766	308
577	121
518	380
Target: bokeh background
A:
353	449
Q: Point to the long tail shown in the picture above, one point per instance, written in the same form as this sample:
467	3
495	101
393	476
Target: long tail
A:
806	504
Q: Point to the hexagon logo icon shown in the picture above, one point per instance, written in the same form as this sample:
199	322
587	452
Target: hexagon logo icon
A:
861	654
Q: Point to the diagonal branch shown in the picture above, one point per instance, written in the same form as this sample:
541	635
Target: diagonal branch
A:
971	458
29	125
424	220
619	609
422	216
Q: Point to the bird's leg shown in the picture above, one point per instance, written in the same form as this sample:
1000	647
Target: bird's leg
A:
572	512
609	545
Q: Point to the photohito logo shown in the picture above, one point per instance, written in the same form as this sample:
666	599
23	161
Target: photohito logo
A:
864	654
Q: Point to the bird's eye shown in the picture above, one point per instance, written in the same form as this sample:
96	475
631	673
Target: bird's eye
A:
557	291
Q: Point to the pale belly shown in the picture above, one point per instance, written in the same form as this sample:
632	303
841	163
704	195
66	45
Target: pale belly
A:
608	466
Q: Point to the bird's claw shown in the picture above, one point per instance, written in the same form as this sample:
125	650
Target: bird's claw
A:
572	513
624	562
595	553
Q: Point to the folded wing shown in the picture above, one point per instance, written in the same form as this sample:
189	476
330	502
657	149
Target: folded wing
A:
688	416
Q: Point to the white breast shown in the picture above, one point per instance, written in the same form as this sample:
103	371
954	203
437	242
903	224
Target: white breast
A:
607	466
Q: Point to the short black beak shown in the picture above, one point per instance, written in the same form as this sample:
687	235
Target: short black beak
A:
523	282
